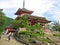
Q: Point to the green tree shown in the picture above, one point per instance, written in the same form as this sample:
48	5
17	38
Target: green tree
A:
2	21
22	22
56	26
32	32
16	24
36	26
49	26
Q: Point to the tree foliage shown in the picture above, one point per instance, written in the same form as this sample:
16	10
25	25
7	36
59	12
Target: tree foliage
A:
32	32
22	22
8	21
2	21
56	26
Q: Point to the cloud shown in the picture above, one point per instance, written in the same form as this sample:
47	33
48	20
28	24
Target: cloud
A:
10	12
56	15
10	4
38	6
54	12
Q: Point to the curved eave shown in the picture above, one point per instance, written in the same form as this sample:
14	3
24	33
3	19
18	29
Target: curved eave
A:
44	21
19	11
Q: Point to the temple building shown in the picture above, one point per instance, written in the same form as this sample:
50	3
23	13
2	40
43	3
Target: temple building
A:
32	19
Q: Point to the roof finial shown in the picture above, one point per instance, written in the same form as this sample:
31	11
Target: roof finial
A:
23	3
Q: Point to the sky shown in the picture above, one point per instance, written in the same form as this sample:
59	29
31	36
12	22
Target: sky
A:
42	8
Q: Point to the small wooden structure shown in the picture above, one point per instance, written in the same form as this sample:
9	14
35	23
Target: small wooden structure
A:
10	29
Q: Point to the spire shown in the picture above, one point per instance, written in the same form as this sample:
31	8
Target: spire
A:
23	3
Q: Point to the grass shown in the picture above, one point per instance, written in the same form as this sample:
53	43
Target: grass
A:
56	35
46	40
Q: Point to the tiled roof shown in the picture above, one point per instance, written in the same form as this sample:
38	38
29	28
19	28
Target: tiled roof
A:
24	9
36	17
40	19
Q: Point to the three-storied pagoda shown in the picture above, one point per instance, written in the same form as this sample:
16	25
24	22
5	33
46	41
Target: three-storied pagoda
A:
32	19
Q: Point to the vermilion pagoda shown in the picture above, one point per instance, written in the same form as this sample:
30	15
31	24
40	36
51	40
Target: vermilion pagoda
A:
32	19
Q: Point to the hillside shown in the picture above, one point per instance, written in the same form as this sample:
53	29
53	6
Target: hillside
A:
4	41
9	20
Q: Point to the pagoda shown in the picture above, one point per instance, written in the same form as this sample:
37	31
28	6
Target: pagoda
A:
32	19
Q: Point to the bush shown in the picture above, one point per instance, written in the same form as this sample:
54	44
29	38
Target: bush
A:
46	40
2	21
56	26
56	35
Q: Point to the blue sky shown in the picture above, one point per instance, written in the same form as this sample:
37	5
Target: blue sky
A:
43	8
